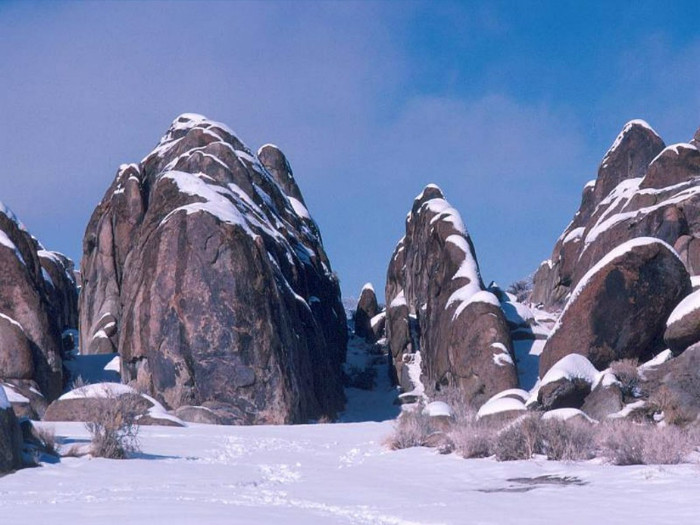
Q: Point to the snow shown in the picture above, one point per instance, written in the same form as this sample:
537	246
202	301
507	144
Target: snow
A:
614	254
438	408
574	235
12	395
572	366
11	321
4	402
658	359
7	242
114	365
566	413
377	319
368	286
99	390
627	410
501	357
465	296
299	208
519	392
625	130
399	300
686	307
7	212
503	404
517	313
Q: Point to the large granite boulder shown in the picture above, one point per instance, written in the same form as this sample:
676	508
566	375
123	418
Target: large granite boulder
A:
10	437
367	308
203	268
683	325
438	309
642	190
35	308
619	309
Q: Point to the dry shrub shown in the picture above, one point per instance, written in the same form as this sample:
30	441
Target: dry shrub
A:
571	440
114	429
627	443
47	439
667	402
519	440
473	438
627	373
411	429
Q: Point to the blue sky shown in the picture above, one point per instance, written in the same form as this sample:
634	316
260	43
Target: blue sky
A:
508	106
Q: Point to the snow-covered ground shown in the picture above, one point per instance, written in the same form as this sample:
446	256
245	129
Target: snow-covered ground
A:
332	473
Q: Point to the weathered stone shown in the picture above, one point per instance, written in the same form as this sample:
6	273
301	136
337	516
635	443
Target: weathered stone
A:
675	164
193	414
610	315
34	307
207	267
563	393
683	325
367	308
10	437
603	401
438	308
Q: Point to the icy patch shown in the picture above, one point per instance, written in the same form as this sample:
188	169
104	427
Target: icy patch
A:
686	307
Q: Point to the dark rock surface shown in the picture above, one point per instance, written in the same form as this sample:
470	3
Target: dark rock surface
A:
642	190
37	303
437	305
603	401
683	325
619	309
204	269
10	437
367	308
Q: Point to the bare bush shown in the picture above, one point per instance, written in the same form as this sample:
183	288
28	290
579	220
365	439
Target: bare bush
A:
473	438
114	429
628	443
627	373
411	429
521	289
47	439
521	439
571	440
668	403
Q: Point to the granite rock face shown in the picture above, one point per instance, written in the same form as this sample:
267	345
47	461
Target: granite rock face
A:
643	189
203	268
367	308
10	437
38	301
620	307
439	316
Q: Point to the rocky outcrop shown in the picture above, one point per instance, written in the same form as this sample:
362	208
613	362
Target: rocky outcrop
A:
619	308
642	189
38	301
683	325
367	308
203	268
10	437
438	309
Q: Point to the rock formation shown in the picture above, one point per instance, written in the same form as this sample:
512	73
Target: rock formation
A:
619	308
203	268
10	437
38	301
367	308
642	189
439	315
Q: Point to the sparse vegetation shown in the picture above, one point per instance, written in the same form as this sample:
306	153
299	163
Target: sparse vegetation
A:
627	373
521	289
621	442
114	429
